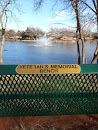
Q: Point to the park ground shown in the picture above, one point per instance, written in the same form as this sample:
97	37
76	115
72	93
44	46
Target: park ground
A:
67	122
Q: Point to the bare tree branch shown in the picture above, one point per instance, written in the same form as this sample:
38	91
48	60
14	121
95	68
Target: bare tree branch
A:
73	4
89	7
6	19
1	4
64	24
55	4
38	4
4	9
95	5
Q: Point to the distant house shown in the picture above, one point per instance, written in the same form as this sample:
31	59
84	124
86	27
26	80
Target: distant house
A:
15	37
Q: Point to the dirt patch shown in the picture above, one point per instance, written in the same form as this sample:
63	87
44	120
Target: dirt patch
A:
67	122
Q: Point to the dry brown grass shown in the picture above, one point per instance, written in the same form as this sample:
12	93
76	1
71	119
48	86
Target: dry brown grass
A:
51	126
66	122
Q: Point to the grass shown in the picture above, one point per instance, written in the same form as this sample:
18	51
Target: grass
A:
49	126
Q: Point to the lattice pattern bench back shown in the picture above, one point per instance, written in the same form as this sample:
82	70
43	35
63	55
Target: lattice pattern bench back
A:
48	94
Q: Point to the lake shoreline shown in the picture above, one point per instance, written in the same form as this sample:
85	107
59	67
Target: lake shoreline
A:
54	41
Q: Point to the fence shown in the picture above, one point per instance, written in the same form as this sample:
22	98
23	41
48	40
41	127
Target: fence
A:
48	94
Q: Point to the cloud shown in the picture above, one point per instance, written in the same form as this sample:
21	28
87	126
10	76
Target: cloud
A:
87	11
16	26
59	16
44	28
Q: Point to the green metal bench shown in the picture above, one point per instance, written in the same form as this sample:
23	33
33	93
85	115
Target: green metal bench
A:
48	94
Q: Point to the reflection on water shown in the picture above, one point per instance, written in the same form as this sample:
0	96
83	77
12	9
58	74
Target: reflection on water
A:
37	53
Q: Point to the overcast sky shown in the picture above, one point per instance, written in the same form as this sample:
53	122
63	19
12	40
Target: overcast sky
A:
45	18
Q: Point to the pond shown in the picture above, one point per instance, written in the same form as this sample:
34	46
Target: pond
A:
17	52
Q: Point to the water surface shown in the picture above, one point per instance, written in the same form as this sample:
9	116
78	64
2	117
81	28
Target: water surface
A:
16	52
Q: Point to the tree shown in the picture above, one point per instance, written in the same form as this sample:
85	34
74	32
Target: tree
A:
95	11
4	4
32	33
10	33
79	35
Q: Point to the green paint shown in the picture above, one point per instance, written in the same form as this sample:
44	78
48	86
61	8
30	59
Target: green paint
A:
85	69
48	94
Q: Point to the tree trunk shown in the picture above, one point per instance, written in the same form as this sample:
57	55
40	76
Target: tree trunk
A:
95	57
78	48
84	59
1	48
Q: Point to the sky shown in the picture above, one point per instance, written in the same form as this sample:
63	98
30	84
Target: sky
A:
45	18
